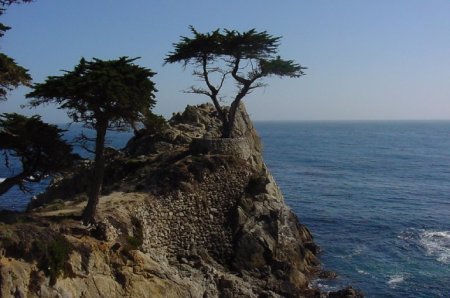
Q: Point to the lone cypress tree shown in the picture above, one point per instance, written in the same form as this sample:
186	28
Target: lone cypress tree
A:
103	95
247	57
37	145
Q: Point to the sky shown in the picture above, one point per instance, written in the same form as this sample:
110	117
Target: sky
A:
367	60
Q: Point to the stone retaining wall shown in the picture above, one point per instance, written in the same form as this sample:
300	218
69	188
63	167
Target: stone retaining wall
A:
238	147
183	222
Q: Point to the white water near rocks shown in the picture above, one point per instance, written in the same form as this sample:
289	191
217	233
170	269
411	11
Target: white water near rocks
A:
436	244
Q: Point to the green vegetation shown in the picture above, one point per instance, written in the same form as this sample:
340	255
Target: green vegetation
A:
37	145
135	240
117	94
34	244
247	57
5	3
12	75
111	94
53	255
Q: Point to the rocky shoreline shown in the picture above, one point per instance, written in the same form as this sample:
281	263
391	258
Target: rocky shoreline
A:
183	214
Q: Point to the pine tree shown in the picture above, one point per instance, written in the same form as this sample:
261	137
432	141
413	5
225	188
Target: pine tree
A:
111	94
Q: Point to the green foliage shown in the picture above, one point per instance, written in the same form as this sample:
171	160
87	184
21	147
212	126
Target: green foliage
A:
52	256
202	45
3	29
134	242
249	44
6	3
6	237
12	75
280	67
38	146
116	91
235	47
154	123
137	239
111	94
247	57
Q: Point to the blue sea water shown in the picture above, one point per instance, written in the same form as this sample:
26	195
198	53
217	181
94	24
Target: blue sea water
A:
375	195
16	200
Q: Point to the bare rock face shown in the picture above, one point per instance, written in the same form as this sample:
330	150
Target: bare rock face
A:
194	122
269	240
174	221
197	122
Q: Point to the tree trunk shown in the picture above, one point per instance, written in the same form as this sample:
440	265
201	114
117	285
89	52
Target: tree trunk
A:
220	111
98	174
8	183
225	130
228	127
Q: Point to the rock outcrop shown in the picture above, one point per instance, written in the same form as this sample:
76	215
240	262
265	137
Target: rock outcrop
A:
183	214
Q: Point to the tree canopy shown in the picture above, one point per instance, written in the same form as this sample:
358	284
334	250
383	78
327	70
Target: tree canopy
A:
116	91
12	75
102	94
37	145
247	57
6	3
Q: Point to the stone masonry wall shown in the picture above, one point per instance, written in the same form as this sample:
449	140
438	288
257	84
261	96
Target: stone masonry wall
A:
238	147
189	221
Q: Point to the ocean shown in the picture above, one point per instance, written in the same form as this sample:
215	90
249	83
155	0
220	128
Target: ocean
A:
375	195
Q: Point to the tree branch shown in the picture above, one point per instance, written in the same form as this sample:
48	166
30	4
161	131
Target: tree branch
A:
196	90
6	157
8	183
235	70
224	75
206	77
82	141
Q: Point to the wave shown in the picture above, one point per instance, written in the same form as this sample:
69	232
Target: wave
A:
436	244
324	285
394	280
356	251
2	179
362	272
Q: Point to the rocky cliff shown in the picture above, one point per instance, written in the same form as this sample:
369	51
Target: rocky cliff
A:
183	214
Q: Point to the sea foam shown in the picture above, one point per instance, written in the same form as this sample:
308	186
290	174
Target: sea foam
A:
394	280
436	244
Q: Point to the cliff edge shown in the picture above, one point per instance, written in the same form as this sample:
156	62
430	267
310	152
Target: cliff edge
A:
183	214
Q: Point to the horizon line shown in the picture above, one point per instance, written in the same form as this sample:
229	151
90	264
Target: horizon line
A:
351	120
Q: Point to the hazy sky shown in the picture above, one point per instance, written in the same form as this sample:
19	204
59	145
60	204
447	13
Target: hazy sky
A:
379	59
